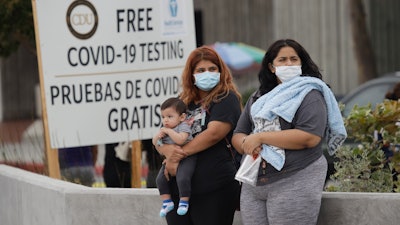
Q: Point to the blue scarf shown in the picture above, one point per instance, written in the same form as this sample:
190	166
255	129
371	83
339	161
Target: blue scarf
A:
284	100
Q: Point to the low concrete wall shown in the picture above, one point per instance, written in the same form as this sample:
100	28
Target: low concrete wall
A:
351	208
32	199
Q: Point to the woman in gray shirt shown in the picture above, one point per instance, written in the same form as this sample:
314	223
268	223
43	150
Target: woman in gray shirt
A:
292	117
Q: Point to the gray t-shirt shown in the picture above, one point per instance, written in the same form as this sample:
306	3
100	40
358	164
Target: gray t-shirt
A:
310	117
182	127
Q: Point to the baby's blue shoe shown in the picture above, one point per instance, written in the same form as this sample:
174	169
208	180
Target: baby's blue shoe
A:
183	207
167	206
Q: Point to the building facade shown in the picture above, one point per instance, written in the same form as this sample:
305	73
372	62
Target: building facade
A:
321	26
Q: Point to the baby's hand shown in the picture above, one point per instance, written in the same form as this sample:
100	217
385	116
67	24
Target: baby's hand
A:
161	133
164	131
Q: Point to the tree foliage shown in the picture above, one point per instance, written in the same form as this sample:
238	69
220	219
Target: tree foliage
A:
16	26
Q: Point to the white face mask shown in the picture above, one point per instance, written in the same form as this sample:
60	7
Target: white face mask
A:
286	73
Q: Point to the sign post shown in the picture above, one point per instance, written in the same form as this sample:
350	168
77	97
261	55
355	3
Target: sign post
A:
136	169
105	67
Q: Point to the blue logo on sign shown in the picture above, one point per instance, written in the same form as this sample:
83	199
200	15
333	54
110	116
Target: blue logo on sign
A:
173	8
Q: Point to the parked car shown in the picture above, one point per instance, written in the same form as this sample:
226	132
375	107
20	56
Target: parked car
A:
371	92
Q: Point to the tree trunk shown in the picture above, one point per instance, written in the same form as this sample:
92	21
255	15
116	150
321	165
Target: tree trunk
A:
364	53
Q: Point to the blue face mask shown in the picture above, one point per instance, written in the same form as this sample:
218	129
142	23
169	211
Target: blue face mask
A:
207	80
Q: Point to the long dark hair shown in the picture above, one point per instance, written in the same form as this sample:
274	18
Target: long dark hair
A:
268	80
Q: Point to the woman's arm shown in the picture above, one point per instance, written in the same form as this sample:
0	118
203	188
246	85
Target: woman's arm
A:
237	141
292	139
171	152
215	132
243	126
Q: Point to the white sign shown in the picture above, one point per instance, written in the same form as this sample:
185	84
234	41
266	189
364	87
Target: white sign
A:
108	65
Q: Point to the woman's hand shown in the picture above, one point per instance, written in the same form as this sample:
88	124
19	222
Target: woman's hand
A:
251	144
170	168
173	154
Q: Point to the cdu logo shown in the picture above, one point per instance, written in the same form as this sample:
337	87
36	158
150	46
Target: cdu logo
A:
82	19
173	8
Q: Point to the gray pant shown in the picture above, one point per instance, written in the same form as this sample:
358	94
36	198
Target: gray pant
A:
292	200
184	175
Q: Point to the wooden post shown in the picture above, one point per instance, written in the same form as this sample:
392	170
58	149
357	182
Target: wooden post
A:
52	164
136	160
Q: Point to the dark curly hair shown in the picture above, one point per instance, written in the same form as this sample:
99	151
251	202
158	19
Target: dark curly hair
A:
268	80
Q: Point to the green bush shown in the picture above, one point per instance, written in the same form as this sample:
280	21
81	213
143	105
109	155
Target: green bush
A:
361	164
